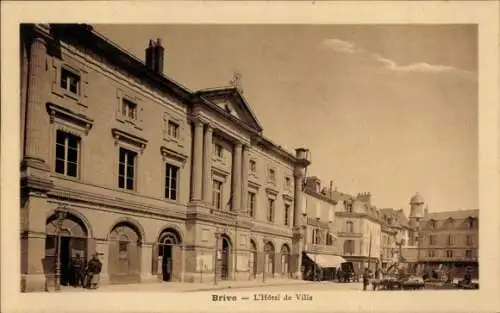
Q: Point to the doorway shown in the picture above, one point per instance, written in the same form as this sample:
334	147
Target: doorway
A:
225	258
167	263
64	259
168	257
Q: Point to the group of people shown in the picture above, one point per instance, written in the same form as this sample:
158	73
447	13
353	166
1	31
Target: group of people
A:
84	274
371	277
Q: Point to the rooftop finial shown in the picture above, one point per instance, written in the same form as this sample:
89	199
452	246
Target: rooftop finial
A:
236	81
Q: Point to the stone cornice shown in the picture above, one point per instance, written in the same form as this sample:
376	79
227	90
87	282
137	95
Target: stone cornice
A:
84	36
56	111
169	153
113	203
120	135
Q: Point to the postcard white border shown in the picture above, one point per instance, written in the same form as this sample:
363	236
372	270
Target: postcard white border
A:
484	13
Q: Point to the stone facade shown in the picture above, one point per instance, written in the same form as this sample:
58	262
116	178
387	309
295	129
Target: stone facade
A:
162	182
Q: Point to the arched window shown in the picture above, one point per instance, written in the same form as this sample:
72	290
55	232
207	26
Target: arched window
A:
269	257
285	260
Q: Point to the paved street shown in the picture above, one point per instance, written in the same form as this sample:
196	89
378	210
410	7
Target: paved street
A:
250	286
309	286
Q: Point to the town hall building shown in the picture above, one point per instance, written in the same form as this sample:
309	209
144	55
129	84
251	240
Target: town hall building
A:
163	183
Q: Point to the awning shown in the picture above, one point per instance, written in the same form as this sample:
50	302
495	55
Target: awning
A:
326	260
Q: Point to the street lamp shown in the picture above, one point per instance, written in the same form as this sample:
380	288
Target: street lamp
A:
61	215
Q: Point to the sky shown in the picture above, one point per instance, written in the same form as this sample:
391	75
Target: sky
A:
386	109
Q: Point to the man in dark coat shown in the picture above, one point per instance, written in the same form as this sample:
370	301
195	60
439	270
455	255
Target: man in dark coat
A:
76	270
93	272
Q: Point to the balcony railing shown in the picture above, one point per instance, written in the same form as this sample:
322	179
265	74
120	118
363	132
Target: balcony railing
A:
319	248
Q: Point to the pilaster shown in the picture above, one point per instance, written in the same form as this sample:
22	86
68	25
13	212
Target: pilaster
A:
35	149
197	167
244	178
207	165
147	263
236	181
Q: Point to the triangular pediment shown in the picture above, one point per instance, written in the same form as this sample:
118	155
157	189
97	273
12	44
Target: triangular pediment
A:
231	102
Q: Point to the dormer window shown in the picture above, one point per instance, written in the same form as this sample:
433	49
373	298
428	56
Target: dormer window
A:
253	166
272	175
129	109
173	129
288	182
70	81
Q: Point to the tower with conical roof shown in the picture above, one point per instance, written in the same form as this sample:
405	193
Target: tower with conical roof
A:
417	206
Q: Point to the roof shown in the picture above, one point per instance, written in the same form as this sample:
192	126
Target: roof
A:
232	93
417	199
85	35
458	215
340	196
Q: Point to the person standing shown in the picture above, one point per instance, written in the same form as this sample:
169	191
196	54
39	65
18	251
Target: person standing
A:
76	271
93	272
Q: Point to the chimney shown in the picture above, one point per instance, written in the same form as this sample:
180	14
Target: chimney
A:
155	56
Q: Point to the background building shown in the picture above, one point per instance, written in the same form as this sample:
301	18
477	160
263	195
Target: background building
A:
358	225
320	240
163	182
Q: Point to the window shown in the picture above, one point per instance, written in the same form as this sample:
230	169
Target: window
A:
129	109
217	196
122	246
468	254
251	204
126	170
67	153
449	240
431	253
433	224
432	240
349	247
287	214
468	240
449	253
471	223
218	151
70	81
316	236
349	227
173	129
270	210
171	181
348	207
272	175
253	166
329	239
288	182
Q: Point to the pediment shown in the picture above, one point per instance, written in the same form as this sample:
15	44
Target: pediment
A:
231	102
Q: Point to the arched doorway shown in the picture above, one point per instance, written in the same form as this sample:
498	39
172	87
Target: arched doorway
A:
225	255
269	258
66	237
124	254
285	260
253	259
168	254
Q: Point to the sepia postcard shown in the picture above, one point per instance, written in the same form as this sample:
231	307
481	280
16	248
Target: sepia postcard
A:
250	156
